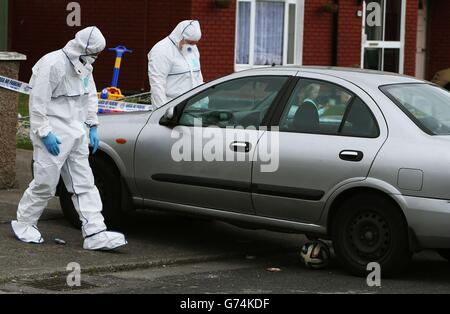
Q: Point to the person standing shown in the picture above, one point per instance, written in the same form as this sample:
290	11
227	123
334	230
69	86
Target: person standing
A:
174	63
63	116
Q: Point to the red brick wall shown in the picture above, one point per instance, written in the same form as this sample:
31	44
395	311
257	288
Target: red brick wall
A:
140	24
317	34
218	37
39	26
349	34
163	16
438	38
412	7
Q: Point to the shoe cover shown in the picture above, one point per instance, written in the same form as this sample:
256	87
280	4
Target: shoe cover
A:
26	233
105	240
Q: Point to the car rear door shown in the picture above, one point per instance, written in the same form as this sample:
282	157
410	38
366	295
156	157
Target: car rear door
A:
316	152
205	160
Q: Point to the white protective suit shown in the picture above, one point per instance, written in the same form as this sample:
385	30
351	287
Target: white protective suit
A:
173	71
63	100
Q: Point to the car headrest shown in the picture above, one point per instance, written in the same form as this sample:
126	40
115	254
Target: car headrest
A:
306	118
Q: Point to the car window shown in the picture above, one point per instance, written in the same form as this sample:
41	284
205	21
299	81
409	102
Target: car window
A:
324	108
315	107
427	105
241	102
359	121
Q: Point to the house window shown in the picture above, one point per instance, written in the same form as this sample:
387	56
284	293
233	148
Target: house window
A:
268	32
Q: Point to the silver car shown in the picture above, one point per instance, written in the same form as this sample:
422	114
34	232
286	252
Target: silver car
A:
358	157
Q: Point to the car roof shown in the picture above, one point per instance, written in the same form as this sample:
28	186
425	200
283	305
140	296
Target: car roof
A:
361	77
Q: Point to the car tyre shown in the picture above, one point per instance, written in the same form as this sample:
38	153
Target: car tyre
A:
107	181
369	228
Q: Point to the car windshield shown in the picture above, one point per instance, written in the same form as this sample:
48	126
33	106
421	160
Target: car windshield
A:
427	105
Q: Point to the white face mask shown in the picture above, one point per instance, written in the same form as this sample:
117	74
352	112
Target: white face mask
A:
82	70
88	59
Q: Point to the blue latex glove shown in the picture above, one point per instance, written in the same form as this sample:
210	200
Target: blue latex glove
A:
94	139
51	142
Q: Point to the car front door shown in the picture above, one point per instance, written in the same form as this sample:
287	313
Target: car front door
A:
203	155
329	134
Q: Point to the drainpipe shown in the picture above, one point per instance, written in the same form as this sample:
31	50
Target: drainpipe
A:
334	38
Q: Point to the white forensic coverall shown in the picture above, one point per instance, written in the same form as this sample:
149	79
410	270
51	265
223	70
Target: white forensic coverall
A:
63	100
173	71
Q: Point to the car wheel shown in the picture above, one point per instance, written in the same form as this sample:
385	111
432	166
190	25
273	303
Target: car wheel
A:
107	181
445	253
368	228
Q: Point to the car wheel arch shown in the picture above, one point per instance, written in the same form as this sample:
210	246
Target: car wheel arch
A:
126	196
109	152
101	154
351	192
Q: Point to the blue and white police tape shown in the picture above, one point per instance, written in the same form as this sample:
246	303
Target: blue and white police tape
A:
14	85
117	106
104	106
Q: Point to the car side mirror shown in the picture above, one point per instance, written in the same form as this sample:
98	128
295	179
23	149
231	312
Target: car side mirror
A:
170	113
169	118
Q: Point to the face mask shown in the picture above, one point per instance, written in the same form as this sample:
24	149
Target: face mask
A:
86	82
82	70
186	49
88	59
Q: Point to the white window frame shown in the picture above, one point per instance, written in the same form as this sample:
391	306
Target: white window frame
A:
382	44
298	36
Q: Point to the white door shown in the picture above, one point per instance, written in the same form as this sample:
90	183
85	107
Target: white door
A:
421	53
383	35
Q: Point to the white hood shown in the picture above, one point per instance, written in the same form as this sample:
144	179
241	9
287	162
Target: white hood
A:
89	40
189	29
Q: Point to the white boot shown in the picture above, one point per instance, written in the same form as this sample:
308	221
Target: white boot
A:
106	240
26	232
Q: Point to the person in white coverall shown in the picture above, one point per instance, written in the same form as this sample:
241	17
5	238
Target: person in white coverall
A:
63	116
174	63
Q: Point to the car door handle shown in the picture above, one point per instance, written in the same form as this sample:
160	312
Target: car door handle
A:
351	155
240	146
